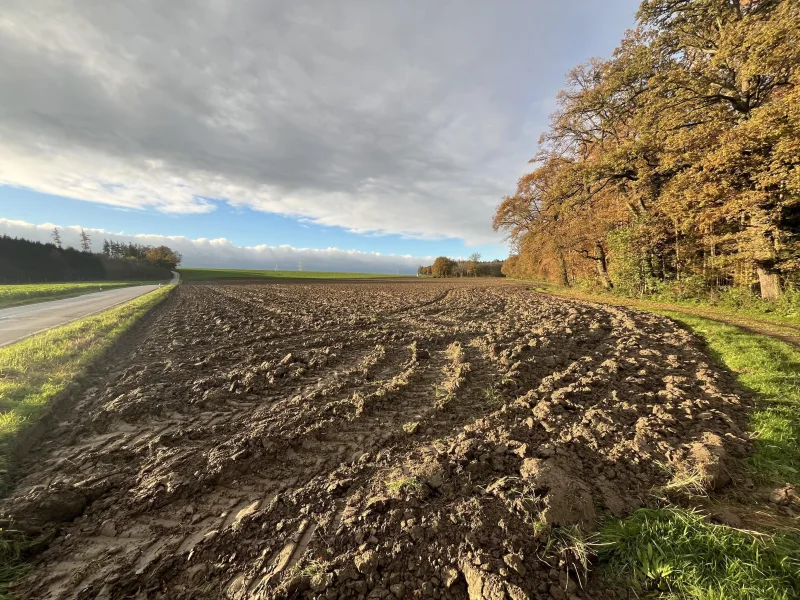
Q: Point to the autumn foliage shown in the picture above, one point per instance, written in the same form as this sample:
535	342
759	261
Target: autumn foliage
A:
676	163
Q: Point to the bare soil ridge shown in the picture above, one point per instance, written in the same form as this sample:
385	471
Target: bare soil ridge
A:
381	440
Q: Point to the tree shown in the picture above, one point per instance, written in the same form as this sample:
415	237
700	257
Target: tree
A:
24	260
163	256
510	266
472	264
725	100
86	242
443	267
56	236
676	160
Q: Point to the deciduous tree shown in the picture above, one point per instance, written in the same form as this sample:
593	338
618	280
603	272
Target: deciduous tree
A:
443	267
677	157
163	257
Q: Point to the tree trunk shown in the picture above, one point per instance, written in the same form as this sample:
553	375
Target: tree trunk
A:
562	269
769	282
602	266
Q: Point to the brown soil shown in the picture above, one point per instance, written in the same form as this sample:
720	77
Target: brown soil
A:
366	440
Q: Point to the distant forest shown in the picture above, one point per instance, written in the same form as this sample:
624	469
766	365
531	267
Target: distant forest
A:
472	267
24	261
672	168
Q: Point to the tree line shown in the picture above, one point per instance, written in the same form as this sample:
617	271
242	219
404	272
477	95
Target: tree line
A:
162	256
25	261
673	166
472	267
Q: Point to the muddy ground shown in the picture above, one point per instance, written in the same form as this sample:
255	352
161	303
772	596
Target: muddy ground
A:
367	440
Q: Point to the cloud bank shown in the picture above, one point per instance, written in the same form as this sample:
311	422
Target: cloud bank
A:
221	253
410	118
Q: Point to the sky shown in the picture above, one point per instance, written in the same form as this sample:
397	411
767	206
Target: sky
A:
359	135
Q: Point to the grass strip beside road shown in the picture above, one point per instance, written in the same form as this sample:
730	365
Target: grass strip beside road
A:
34	372
211	274
18	295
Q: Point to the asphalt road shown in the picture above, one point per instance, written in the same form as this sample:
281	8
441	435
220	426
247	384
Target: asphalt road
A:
21	321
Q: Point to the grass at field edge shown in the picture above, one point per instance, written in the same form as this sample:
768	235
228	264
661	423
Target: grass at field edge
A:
743	317
677	552
33	372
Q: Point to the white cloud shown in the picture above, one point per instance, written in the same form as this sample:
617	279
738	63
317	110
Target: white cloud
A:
222	253
407	117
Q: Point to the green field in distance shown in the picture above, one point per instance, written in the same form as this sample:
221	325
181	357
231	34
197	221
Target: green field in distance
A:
207	274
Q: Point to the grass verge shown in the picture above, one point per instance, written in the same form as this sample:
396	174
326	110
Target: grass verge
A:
33	372
678	553
210	274
17	295
771	369
741	316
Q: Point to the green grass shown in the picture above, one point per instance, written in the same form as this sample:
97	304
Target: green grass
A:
763	310
210	274
771	369
778	313
17	295
403	483
678	553
765	365
758	312
12	565
571	548
682	555
33	372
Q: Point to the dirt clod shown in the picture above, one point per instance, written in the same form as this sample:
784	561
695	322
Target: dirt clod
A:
727	517
785	495
482	585
709	457
566	499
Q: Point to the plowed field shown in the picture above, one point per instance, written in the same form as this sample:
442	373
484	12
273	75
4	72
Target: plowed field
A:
367	440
